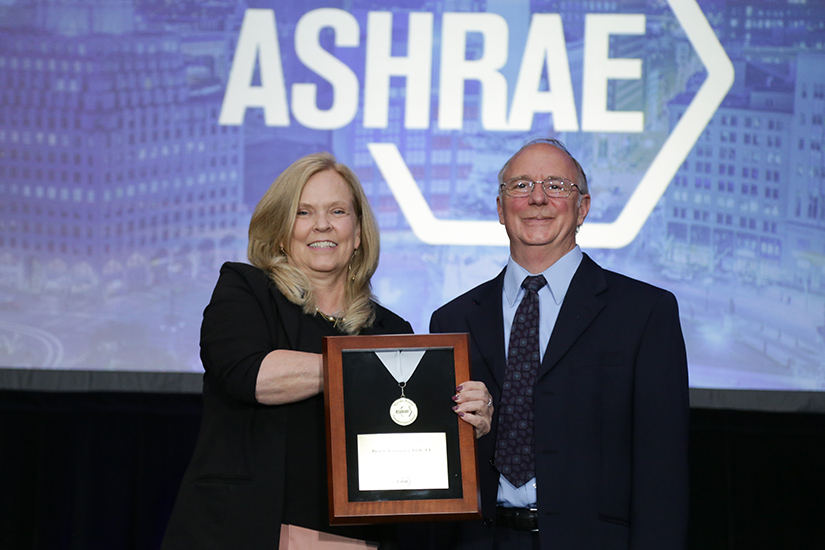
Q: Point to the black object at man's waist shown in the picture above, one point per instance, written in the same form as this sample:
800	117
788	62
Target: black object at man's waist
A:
520	519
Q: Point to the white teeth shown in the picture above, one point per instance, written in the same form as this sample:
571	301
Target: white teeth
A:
323	244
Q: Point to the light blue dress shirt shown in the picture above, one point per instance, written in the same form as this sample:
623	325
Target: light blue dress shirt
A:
551	296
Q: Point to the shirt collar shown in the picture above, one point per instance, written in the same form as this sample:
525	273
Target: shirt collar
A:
558	276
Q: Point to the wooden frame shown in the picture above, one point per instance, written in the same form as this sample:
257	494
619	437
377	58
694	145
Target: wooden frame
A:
357	396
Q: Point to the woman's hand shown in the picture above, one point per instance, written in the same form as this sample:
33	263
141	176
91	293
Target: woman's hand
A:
474	404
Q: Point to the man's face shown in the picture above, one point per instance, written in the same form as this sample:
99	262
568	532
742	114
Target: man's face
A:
537	224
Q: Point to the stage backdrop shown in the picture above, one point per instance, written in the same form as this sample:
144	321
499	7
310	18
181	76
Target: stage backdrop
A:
136	137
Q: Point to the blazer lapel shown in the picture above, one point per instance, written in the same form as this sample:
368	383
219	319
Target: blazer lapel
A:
486	325
581	305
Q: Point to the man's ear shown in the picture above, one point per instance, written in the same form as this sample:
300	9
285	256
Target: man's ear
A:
584	208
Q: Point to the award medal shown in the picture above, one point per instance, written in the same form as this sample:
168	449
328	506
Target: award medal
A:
402	365
403	411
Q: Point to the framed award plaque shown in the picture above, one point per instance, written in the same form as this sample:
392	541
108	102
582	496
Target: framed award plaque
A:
396	451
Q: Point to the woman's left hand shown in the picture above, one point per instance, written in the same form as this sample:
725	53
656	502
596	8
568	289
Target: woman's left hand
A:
474	404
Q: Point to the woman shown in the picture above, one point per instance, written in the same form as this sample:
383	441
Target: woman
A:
260	460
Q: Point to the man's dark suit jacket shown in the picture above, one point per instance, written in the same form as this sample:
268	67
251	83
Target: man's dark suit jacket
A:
611	410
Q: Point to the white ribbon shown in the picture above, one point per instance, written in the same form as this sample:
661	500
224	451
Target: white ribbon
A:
401	363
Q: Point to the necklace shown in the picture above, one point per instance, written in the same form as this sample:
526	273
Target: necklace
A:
332	319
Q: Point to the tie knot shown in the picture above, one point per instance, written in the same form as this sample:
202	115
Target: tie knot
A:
534	282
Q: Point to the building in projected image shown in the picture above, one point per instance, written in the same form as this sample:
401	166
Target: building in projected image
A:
806	185
725	206
111	160
748	199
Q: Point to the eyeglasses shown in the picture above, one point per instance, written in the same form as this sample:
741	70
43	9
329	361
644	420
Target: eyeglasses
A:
554	187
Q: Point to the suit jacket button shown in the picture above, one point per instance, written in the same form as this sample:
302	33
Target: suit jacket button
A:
488	522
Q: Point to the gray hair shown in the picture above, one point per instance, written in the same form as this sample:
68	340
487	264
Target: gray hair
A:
581	177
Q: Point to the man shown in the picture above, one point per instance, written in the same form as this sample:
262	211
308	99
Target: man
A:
588	447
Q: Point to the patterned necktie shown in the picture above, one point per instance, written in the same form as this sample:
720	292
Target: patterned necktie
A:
515	457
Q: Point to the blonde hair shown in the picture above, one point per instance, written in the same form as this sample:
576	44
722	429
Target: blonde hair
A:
270	237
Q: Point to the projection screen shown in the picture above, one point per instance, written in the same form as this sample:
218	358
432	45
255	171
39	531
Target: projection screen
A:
136	137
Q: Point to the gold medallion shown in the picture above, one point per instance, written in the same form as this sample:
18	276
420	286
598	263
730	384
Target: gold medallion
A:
403	411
